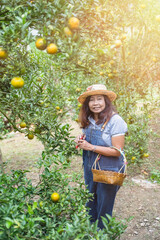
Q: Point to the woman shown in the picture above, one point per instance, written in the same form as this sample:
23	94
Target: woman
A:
96	110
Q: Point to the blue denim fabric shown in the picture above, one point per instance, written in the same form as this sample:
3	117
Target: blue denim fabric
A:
103	194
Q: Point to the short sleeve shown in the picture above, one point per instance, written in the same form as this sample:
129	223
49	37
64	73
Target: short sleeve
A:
117	126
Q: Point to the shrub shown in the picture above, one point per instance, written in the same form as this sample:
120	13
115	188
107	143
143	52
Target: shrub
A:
27	211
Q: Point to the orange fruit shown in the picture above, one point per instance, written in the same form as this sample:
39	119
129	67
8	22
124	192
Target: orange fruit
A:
57	108
23	124
30	136
55	197
118	43
3	54
101	73
79	105
41	44
67	31
52	48
146	155
17	82
154	59
73	23
110	75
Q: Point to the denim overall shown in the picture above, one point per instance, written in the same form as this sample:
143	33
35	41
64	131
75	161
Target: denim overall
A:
103	194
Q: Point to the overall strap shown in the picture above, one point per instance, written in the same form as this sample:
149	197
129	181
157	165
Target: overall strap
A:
104	124
99	155
107	122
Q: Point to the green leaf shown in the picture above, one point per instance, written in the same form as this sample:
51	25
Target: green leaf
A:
30	210
9	223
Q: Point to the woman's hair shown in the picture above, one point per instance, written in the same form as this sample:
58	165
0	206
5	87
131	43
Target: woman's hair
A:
103	116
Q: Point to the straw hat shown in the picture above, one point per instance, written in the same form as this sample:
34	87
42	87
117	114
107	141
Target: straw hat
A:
97	89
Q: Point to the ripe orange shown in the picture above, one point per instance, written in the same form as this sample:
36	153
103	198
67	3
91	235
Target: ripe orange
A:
73	23
55	197
146	155
30	136
41	44
17	82
112	62
101	73
154	59
110	75
3	54
52	48
118	43
23	124
68	32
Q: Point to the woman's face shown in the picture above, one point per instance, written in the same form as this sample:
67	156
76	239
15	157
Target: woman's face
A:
96	104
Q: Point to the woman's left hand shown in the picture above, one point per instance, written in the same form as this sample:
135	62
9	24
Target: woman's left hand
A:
83	144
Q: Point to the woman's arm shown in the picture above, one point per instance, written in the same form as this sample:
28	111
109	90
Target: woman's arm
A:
117	141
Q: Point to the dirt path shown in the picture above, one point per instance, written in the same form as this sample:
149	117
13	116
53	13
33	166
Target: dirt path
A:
138	198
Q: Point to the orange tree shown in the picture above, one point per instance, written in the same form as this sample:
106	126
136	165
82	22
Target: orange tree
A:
50	52
87	42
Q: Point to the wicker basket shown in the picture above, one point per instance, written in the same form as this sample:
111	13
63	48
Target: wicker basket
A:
109	177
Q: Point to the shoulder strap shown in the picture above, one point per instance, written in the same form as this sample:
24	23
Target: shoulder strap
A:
104	124
107	122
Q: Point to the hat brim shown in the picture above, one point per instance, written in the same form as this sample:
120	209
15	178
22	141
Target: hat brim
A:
111	95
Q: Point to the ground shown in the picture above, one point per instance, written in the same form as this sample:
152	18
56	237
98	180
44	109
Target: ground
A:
138	199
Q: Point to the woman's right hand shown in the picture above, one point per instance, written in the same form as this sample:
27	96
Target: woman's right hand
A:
79	137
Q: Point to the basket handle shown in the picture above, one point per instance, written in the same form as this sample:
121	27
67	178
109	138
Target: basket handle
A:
124	159
96	160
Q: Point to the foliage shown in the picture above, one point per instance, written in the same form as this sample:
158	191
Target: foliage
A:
27	211
88	55
52	82
155	176
4	127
